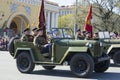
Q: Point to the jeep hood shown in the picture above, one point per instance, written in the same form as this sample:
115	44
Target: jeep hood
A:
75	42
111	41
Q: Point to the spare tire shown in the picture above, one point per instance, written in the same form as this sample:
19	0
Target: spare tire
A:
11	45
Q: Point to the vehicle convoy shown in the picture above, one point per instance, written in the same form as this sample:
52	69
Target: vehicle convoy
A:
83	56
112	48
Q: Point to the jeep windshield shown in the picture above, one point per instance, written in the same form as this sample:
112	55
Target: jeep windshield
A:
62	33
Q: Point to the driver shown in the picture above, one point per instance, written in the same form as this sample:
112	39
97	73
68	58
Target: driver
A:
41	42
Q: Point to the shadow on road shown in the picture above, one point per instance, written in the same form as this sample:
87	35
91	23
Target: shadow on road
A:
67	73
106	76
59	73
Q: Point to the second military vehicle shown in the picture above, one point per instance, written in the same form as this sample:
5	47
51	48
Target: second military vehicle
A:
111	47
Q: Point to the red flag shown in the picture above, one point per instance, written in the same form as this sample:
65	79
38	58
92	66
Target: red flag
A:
42	22
88	25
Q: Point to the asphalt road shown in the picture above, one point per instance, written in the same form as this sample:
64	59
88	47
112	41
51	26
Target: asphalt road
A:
8	71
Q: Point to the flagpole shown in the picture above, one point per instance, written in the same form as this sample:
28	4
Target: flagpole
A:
75	25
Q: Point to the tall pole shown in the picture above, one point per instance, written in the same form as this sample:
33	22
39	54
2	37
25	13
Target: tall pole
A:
76	11
21	27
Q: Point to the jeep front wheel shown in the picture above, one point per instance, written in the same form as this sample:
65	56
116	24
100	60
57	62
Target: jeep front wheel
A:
48	67
102	66
11	45
82	65
25	63
116	58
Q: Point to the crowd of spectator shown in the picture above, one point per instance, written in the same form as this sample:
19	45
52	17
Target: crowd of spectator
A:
5	36
4	43
114	35
87	35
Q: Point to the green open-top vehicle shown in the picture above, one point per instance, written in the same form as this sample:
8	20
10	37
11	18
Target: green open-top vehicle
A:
83	56
112	47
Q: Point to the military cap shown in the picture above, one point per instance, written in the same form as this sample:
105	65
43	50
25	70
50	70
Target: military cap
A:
34	29
26	29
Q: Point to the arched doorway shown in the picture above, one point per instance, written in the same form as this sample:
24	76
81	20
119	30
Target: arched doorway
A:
13	26
18	24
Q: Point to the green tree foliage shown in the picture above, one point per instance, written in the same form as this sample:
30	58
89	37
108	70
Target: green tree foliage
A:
81	16
66	21
80	12
106	18
106	15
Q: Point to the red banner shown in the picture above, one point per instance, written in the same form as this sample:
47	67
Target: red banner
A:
42	23
88	25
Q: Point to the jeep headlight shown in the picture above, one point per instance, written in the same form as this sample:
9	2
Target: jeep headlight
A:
89	45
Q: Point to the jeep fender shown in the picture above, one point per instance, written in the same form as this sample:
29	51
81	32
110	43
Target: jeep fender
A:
74	49
113	47
18	50
11	45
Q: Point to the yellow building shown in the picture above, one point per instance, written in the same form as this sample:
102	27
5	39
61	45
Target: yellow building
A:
18	14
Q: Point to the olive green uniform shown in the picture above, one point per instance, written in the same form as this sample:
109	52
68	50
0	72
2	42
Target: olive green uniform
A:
28	38
79	37
40	41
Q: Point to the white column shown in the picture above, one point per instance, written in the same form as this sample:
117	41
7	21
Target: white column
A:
69	12
53	19
60	13
63	13
57	15
48	21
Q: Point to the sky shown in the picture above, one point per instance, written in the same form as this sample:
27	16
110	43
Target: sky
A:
63	2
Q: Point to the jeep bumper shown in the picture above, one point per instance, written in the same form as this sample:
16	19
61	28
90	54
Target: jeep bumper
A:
100	59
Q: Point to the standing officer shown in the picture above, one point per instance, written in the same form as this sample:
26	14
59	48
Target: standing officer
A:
26	36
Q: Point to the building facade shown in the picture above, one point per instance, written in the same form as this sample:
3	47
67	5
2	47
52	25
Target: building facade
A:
19	14
70	9
64	10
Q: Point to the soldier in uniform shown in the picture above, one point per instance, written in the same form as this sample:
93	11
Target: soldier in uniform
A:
96	36
41	42
88	36
34	32
79	35
26	36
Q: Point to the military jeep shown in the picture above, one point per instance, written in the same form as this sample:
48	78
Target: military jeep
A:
112	48
83	56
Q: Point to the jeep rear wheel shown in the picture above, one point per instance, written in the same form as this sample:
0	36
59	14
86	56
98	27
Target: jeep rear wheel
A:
25	63
102	66
82	65
48	67
116	58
